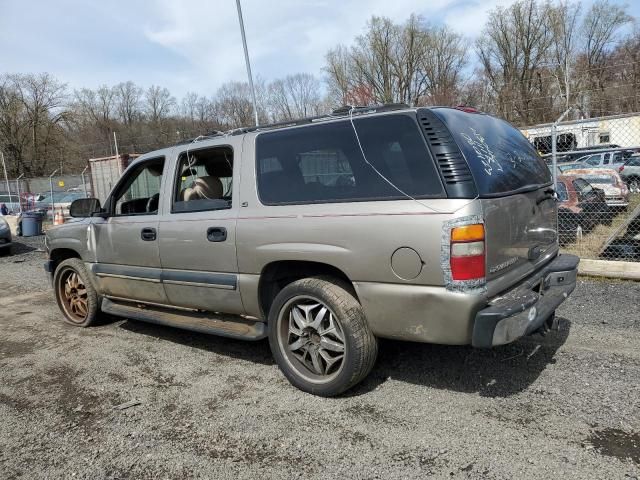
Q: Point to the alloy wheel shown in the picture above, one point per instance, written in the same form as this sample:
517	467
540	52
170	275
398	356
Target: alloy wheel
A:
312	339
73	295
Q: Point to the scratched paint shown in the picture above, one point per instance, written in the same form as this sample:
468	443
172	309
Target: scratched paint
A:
483	151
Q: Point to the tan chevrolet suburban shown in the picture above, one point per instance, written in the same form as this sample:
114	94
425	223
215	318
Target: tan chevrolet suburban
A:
421	224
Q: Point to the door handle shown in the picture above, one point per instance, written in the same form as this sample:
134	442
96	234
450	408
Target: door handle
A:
148	234
216	234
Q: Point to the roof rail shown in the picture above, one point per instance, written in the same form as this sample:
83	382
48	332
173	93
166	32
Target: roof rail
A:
339	112
206	136
336	113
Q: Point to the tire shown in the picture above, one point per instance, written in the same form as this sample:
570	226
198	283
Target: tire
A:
318	367
79	306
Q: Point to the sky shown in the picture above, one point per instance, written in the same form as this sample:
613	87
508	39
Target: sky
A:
195	45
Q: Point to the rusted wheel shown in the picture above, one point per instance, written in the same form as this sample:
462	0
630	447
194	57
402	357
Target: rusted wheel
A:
75	294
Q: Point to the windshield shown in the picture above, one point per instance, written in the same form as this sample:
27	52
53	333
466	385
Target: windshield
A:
501	159
58	197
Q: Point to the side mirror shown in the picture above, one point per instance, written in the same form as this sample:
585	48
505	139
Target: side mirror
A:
84	207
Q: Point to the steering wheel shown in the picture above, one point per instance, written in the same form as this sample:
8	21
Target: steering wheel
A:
152	203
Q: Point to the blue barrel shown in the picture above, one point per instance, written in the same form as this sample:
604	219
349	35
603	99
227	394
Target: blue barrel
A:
31	224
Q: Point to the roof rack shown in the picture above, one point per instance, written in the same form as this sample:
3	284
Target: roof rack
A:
336	113
343	111
206	136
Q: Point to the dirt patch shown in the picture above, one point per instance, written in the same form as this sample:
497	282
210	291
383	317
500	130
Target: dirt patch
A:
617	443
9	348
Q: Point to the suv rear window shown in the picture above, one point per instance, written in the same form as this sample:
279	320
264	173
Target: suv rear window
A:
501	159
323	163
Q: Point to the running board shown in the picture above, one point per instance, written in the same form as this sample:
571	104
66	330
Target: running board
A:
230	326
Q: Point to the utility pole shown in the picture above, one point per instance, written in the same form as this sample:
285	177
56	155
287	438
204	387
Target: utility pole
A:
115	140
6	178
53	204
246	60
18	189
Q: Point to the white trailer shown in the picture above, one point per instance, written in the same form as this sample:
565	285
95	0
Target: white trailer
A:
621	130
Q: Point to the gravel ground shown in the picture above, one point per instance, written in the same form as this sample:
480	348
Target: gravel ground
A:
565	405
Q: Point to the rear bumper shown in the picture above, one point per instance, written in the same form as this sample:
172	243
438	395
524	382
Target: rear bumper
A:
524	309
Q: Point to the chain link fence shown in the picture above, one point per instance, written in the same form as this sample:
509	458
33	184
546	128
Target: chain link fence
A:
596	165
44	194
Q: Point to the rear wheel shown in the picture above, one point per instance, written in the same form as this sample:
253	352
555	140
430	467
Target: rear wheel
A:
319	336
76	297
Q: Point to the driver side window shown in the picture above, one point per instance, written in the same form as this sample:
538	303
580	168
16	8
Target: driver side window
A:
140	192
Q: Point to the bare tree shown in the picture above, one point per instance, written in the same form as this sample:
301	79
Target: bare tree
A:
600	29
564	19
34	117
128	98
158	103
441	65
512	50
234	104
294	96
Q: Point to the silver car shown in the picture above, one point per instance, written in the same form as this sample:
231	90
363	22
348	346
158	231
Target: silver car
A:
5	236
429	225
630	173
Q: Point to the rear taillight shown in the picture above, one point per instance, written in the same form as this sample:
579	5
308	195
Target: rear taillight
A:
621	168
467	252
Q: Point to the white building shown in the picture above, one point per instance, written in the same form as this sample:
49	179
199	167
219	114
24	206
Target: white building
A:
622	130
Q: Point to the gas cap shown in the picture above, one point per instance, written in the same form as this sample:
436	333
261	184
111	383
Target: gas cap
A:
406	263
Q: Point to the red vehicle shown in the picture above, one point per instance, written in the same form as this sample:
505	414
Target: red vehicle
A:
580	207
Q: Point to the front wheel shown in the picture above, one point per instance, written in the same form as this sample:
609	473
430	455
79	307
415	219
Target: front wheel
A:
319	336
75	294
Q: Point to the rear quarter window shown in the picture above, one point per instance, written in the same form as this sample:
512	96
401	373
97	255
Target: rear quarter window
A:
323	163
501	159
561	190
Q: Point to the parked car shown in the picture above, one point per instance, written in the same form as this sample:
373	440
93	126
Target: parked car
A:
61	201
630	173
613	159
580	207
5	236
615	190
584	152
430	225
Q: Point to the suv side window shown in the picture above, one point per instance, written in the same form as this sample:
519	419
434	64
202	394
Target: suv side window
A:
618	157
139	194
204	180
323	163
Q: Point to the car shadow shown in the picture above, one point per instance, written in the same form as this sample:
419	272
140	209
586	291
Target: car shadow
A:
20	246
498	372
257	352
